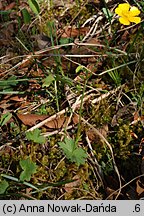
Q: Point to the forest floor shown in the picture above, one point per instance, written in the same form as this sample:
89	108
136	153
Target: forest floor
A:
71	101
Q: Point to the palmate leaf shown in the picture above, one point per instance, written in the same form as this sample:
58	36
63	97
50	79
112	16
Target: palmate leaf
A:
79	156
48	80
35	136
3	186
72	152
29	168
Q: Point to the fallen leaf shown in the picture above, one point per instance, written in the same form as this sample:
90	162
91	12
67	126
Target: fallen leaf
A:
57	123
1	6
139	187
18	98
75	119
70	31
110	193
133	135
10	6
31	119
94	137
70	186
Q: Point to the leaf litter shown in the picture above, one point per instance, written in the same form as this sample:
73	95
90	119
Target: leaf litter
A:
72	111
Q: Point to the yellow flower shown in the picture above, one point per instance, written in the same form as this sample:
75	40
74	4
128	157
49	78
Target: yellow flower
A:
128	14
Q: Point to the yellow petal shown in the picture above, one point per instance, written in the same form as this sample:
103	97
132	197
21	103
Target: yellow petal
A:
134	11
124	6
135	19
118	11
124	21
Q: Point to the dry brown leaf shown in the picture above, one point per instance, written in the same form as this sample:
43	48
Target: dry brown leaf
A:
1	6
75	119
136	116
93	40
10	6
70	31
60	122
110	191
18	98
133	135
7	101
70	186
3	104
125	35
139	187
27	61
94	137
31	119
57	123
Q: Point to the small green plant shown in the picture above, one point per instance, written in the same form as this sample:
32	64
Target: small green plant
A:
35	136
26	16
5	118
7	85
108	14
3	186
29	168
72	151
115	77
48	80
138	96
34	5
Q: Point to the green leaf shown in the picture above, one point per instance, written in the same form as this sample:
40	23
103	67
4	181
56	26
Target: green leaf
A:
66	40
79	156
29	168
6	84
48	80
17	180
68	146
5	12
79	68
26	16
3	186
5	118
35	136
64	80
72	152
107	13
51	30
34	6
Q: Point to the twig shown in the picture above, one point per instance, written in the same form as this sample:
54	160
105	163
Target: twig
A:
98	167
142	175
111	150
106	94
75	106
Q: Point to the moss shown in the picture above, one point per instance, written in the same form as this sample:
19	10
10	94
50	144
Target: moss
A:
100	113
44	160
121	142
